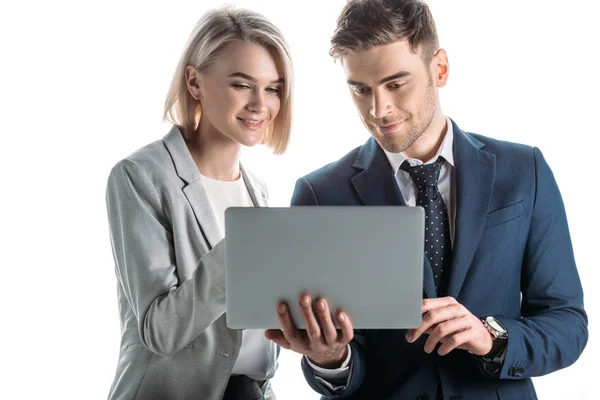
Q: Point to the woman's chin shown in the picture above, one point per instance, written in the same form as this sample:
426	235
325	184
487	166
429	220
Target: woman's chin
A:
250	141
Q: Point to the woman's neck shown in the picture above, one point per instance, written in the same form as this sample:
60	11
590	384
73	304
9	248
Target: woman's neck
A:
215	155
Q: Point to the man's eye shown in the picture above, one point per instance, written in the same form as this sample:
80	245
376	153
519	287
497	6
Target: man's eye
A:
360	90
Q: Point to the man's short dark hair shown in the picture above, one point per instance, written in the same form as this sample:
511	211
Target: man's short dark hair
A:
364	24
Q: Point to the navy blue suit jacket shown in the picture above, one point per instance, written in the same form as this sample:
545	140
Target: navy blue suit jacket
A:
511	237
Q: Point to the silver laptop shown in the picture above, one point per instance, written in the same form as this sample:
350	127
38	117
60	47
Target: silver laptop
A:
367	261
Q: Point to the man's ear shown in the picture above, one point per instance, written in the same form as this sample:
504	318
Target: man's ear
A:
440	67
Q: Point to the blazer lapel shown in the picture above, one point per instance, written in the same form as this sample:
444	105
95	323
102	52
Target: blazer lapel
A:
475	173
258	197
376	185
198	199
194	190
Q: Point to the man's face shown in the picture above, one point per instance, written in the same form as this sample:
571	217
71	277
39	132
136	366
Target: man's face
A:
394	92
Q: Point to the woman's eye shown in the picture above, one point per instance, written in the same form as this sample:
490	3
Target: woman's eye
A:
240	86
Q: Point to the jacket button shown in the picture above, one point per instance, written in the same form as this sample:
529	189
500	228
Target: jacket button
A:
511	371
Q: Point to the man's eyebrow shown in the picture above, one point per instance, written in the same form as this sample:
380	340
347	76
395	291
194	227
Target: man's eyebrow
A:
251	78
401	74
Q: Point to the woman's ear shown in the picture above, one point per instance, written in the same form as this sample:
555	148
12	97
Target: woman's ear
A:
193	79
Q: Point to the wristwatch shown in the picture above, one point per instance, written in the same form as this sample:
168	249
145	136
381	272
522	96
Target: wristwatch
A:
500	335
495	328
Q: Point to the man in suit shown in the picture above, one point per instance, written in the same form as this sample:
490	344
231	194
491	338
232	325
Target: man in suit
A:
502	297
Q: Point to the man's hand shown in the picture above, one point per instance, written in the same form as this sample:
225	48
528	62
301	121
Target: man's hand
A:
451	324
324	346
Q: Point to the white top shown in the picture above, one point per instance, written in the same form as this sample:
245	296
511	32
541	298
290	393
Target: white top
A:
257	354
337	379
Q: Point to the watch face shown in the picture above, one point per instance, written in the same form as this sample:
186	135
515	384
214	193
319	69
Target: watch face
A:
495	324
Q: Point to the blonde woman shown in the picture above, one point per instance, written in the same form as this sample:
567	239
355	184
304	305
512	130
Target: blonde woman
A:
166	204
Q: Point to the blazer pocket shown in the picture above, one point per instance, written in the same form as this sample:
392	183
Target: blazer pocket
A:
504	214
190	344
141	345
136	345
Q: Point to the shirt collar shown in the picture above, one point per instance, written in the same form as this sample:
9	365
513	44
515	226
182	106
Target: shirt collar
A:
445	150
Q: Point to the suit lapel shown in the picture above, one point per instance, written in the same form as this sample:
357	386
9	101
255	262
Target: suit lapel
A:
475	173
376	185
194	190
428	281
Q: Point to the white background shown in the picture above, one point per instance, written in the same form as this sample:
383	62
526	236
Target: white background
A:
82	85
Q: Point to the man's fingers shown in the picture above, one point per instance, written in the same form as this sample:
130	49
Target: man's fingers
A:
448	322
327	327
347	330
432	304
444	329
276	336
434	317
291	334
452	342
310	321
271	333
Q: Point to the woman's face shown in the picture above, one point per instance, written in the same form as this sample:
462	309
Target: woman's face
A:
240	93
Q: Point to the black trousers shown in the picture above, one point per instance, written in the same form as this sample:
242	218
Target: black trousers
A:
240	387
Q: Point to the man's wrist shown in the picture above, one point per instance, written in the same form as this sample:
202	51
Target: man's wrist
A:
334	363
499	337
496	354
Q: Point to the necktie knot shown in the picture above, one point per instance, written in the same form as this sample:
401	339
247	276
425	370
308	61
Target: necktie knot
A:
425	174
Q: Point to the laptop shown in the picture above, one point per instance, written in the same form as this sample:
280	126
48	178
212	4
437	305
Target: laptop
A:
365	260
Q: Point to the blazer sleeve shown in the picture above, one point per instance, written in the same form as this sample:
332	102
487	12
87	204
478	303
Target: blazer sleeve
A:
170	314
304	195
552	331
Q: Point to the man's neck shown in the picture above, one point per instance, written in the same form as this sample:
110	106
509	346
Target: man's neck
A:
428	144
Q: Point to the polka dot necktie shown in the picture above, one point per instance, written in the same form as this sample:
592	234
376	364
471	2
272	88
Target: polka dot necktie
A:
437	229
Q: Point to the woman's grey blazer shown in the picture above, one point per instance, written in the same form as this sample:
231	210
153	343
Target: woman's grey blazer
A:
170	269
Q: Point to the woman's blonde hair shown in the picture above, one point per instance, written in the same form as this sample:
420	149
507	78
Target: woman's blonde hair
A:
215	30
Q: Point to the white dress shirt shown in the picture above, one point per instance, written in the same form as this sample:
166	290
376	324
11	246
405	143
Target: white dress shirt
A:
446	179
258	356
337	379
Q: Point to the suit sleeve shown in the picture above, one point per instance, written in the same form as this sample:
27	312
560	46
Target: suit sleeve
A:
170	313
552	331
304	195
